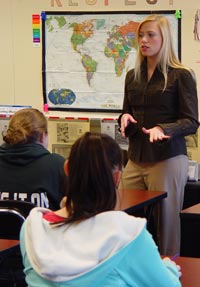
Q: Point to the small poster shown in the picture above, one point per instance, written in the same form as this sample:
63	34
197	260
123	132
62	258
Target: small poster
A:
64	132
4	121
111	128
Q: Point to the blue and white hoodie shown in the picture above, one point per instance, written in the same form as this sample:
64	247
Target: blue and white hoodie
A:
111	249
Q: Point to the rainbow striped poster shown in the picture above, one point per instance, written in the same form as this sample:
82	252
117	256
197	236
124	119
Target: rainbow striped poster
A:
36	29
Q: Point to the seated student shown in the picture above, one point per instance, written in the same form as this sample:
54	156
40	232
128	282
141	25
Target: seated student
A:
88	243
28	170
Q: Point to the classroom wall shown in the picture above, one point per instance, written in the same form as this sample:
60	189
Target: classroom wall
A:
21	62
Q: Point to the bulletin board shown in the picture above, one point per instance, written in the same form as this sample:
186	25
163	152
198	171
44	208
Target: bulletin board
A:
86	56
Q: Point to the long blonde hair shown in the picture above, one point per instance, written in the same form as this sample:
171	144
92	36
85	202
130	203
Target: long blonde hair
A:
167	56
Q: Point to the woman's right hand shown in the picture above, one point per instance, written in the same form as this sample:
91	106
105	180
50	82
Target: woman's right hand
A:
125	120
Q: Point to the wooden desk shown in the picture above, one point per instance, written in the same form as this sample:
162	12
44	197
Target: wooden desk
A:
191	194
7	243
192	211
134	200
190	268
141	203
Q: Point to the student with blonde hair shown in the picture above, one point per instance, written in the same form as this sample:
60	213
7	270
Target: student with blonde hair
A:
28	170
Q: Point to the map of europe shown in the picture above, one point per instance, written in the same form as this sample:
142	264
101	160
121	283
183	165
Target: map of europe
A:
87	58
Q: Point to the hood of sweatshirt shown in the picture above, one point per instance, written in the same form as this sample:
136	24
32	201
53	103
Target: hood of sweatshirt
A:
21	154
62	253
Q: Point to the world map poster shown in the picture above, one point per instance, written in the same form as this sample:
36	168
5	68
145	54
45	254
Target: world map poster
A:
86	57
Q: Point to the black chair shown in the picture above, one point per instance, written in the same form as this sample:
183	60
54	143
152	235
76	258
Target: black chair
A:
23	207
12	215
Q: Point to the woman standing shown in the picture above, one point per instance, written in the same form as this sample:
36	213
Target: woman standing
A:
160	108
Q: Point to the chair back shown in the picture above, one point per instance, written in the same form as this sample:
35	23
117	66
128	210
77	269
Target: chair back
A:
12	215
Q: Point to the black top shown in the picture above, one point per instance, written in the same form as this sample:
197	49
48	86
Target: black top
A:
175	110
30	172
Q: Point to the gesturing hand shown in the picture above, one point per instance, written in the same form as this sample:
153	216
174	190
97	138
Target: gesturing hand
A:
125	120
155	134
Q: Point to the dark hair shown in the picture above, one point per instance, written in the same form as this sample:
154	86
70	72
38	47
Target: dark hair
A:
91	188
25	126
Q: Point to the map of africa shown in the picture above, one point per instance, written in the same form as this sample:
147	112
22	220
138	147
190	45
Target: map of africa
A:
87	57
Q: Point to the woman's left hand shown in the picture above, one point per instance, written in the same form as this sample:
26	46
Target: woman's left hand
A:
155	134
